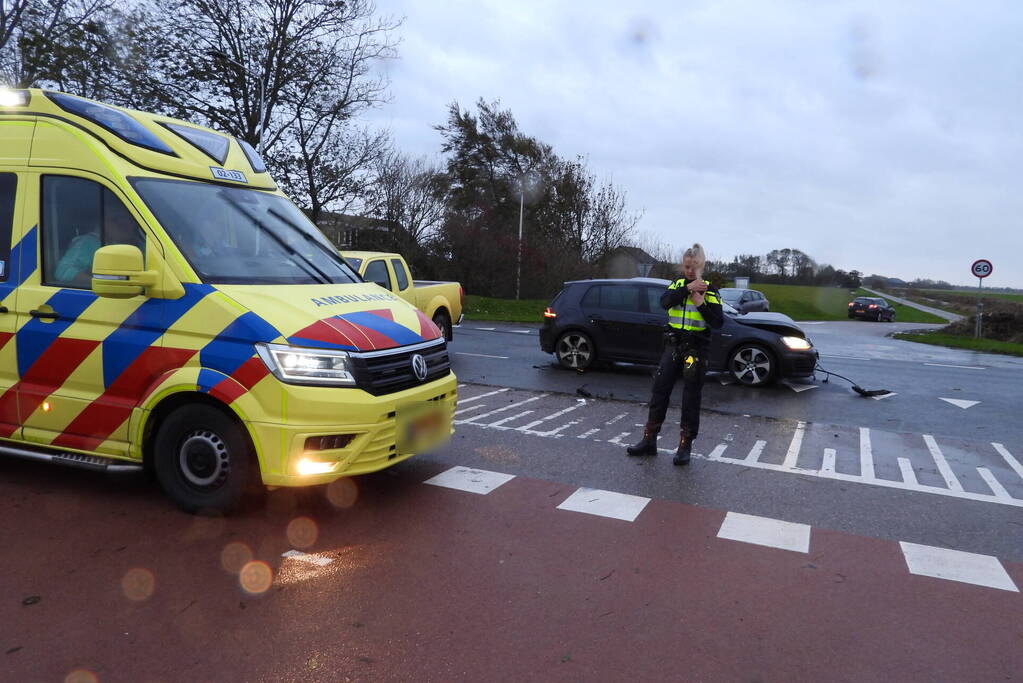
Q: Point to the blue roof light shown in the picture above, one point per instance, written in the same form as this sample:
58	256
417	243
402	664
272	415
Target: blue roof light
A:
214	145
114	120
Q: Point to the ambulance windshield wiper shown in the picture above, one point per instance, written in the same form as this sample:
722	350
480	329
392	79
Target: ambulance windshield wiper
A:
301	260
332	254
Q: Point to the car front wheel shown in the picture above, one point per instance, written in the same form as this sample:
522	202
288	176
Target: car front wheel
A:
202	459
442	321
575	350
752	365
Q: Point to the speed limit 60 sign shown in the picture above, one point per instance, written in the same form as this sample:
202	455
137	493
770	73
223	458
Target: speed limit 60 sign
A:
981	268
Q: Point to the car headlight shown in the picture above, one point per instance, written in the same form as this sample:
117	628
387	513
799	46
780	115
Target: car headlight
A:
297	365
797	343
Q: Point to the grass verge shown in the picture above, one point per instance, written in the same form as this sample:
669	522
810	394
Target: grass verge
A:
957	342
504	310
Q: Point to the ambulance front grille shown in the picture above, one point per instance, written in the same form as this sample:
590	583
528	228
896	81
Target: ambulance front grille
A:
385	373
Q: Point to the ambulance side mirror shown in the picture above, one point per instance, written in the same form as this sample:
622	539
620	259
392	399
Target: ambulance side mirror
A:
118	272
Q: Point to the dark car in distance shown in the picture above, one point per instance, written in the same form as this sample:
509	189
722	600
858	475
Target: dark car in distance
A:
871	308
622	320
745	300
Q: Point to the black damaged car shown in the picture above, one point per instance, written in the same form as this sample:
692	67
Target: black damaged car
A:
616	320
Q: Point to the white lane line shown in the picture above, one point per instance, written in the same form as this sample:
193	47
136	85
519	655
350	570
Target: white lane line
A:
995	485
866	454
908	476
460	386
522	331
479	355
717	452
617	441
509	419
605	504
755	452
475	407
615	419
471	480
845	357
485	329
797	442
943	468
963	367
318	560
1013	463
884	396
828	464
473	420
588	434
773	533
956	565
885	483
476	398
527	427
960	403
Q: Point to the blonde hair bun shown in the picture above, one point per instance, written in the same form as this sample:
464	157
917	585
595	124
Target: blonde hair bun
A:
695	252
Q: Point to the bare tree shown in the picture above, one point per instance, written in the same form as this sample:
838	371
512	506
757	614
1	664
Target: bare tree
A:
409	194
36	36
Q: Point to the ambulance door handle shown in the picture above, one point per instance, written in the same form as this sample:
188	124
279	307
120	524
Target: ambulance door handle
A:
3	309
49	315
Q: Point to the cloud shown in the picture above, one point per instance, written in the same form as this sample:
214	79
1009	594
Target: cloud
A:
872	135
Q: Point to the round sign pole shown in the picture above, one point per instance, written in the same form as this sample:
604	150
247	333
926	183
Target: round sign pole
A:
981	268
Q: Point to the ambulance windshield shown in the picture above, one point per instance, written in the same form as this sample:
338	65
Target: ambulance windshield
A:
241	236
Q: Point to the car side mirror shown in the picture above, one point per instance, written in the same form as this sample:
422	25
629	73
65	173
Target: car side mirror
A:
119	272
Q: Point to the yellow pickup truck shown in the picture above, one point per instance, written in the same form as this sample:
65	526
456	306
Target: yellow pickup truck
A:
441	301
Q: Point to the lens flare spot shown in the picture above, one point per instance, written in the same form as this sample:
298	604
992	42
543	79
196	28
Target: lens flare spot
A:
81	676
256	577
302	532
342	493
235	556
138	584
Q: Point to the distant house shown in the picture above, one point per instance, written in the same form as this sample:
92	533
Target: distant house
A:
356	232
629	262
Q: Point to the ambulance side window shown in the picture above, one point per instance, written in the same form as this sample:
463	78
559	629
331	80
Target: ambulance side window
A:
78	217
8	190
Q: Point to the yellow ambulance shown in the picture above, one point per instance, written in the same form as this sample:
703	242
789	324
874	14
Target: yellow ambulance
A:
163	305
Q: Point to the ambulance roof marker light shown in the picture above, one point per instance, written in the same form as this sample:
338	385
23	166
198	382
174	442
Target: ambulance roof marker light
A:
213	145
118	122
13	98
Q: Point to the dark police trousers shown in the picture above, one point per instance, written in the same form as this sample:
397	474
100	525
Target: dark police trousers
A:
670	369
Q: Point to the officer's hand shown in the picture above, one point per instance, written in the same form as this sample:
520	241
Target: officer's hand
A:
697	298
697	286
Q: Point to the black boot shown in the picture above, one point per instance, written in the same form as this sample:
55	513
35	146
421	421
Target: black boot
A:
648	446
685	450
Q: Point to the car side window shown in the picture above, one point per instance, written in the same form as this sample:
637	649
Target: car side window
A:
653	300
399	274
8	191
620	298
78	217
376	272
591	299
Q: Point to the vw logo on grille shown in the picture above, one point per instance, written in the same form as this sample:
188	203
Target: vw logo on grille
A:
419	366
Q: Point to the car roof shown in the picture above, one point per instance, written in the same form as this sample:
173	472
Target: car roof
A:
621	281
367	254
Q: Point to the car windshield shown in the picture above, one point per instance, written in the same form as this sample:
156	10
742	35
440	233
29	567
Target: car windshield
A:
730	294
241	236
727	308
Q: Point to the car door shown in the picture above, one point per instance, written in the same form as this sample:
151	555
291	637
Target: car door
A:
10	213
402	281
745	302
67	357
655	324
624	318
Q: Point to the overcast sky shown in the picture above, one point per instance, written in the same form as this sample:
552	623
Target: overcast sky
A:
885	137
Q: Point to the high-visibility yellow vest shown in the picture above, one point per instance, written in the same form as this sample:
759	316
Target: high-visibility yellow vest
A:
687	317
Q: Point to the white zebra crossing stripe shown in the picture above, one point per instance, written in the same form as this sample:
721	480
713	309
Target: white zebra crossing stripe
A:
471	480
773	533
605	504
956	565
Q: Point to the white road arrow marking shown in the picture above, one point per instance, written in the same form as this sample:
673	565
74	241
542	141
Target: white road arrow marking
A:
960	403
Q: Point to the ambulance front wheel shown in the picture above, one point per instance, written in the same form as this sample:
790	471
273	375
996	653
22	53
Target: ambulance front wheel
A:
202	459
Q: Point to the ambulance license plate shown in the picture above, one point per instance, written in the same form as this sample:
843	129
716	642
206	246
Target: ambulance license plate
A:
420	427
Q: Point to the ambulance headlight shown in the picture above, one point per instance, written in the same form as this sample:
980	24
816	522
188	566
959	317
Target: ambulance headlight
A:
298	365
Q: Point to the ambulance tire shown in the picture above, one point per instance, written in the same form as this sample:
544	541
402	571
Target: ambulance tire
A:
203	460
441	320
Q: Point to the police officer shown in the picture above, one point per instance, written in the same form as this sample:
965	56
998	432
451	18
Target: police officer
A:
693	309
